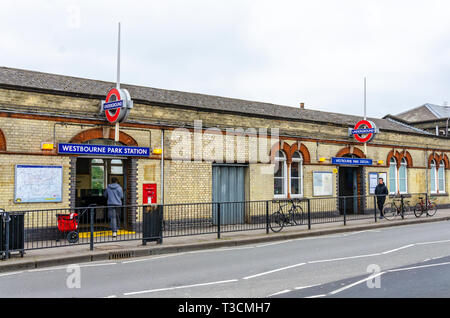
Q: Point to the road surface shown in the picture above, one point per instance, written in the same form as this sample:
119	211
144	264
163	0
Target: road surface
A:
405	261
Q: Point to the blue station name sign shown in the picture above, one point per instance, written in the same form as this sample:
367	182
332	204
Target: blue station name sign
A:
79	149
351	161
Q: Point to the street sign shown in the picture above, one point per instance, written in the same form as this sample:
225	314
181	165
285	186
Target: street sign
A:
364	131
351	161
117	105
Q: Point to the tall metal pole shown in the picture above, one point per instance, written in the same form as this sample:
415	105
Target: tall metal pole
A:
365	104
116	135
118	60
365	112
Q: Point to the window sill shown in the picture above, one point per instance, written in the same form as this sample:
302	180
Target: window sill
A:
438	194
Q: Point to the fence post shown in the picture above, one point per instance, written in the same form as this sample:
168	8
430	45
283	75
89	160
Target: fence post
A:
6	220
91	223
218	220
267	217
375	207
309	214
161	223
426	203
345	210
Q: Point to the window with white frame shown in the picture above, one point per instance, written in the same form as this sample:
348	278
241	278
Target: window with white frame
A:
433	177
398	177
403	177
441	177
296	175
437	177
280	175
393	176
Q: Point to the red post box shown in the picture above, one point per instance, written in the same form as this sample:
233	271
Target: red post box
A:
149	193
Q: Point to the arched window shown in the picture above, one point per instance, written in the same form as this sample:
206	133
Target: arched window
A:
437	177
393	176
403	177
433	177
296	175
280	175
441	177
398	176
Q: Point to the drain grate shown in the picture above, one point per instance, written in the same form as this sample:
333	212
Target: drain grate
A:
119	255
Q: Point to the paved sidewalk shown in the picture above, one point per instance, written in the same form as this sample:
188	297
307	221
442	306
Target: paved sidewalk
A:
120	250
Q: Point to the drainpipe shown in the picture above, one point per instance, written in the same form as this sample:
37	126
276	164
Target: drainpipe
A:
446	127
426	170
162	166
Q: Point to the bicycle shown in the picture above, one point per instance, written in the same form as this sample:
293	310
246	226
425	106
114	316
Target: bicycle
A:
421	207
279	219
390	212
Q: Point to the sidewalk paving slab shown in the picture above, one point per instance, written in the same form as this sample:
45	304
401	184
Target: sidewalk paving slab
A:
113	251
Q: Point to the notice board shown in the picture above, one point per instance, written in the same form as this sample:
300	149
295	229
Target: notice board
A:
322	183
38	184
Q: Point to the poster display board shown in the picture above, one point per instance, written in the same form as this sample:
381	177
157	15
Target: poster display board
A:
373	180
322	183
38	184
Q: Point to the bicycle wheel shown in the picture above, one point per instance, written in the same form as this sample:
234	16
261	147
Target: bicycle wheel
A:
431	209
276	221
418	210
390	212
296	215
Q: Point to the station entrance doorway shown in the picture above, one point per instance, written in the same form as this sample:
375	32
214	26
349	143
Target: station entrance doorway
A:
92	177
350	189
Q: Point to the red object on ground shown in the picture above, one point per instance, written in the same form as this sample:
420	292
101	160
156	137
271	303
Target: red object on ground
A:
67	222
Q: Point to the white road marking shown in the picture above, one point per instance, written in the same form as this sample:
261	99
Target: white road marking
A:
316	296
356	283
147	259
417	267
10	274
95	265
276	243
435	242
343	258
398	249
112	296
304	287
180	287
274	271
280	293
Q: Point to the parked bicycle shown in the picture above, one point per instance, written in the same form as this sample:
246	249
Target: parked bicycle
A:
396	208
430	207
294	216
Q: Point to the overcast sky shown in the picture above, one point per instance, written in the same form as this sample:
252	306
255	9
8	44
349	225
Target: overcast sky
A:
282	52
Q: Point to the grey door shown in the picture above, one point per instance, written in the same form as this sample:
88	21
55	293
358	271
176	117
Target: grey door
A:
228	185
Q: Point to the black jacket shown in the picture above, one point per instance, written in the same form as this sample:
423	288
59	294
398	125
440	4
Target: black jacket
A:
381	189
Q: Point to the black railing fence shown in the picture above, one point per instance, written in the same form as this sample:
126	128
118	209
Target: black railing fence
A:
91	225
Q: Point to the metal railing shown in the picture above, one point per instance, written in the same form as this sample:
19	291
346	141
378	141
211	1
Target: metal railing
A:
91	225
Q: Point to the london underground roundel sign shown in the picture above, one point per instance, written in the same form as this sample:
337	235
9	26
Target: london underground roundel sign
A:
364	131
117	105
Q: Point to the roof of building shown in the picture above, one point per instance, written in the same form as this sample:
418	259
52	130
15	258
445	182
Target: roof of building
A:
425	112
25	79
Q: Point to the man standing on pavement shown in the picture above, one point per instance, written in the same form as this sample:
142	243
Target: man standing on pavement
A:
114	196
381	191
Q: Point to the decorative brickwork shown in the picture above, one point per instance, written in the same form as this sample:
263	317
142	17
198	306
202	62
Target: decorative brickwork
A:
348	151
97	133
399	156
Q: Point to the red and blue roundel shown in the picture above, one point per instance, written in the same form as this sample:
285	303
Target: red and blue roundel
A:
364	131
117	105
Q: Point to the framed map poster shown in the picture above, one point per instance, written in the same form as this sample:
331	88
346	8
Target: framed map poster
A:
38	184
322	183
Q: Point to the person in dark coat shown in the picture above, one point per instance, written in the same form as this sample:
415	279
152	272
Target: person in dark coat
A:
114	196
381	191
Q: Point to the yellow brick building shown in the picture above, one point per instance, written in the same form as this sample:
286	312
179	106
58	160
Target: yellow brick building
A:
214	148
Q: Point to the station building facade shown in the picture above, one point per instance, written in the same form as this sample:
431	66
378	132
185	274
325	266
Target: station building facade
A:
213	148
